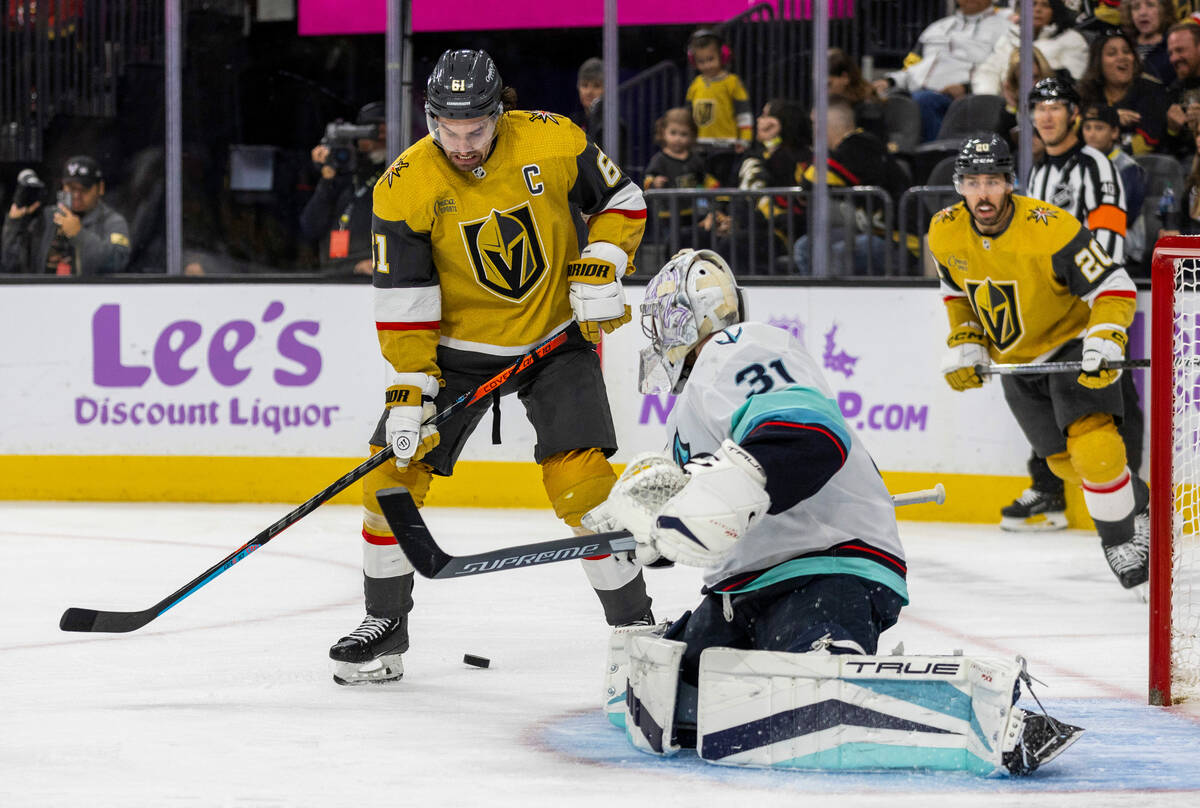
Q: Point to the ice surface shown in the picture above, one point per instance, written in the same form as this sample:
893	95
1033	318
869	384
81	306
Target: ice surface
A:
227	699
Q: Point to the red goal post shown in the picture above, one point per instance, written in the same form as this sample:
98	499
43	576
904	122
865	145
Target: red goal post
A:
1175	471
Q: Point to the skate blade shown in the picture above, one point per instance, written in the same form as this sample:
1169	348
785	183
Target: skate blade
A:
1059	744
384	670
1039	523
1140	592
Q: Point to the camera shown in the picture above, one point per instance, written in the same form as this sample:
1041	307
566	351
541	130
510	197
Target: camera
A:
341	138
30	189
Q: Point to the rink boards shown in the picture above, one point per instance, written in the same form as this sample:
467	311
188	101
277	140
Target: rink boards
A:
268	392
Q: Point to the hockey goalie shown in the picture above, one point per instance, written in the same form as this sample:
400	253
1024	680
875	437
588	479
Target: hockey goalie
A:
771	491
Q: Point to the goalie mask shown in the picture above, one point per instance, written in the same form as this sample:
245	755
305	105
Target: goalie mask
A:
691	297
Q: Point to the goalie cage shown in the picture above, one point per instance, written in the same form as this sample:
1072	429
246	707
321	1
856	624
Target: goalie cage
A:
1175	472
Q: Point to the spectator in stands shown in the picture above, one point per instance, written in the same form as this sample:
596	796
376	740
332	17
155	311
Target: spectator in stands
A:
846	80
939	69
80	235
855	158
339	213
675	165
590	84
1062	46
1147	22
1183	47
778	157
1114	78
1101	130
1186	219
720	105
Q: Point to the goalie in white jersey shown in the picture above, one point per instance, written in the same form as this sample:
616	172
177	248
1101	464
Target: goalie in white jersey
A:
782	503
772	492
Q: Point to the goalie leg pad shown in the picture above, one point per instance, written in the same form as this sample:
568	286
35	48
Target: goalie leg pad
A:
616	669
650	698
850	712
577	481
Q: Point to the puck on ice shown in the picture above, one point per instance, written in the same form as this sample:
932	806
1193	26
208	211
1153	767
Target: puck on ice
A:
477	661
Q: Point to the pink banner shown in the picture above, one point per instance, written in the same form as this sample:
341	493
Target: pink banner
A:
322	17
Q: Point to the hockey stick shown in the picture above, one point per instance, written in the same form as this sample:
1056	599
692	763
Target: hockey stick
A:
77	619
1053	367
433	562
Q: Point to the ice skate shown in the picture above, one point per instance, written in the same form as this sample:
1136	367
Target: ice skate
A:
1042	739
1034	511
371	653
1130	561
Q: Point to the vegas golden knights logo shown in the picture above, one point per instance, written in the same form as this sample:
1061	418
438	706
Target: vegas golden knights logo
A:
996	305
704	111
506	252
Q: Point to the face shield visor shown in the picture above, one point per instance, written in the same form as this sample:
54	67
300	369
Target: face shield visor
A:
465	136
670	325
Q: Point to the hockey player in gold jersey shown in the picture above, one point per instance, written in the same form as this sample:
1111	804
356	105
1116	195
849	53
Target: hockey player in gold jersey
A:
1024	281
477	260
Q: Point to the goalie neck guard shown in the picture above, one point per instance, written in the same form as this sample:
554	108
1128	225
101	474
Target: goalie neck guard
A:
693	296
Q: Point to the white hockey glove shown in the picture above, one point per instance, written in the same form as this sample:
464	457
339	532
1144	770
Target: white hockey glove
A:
968	348
410	404
724	497
1103	344
648	481
597	299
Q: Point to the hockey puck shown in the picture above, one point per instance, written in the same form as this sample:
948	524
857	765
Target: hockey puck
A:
477	661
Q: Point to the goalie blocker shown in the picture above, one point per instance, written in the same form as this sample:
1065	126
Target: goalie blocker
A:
775	709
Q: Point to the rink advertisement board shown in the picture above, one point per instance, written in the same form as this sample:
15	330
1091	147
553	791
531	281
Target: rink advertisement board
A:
284	373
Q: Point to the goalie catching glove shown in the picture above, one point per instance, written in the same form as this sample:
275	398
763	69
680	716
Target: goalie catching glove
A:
1103	344
597	299
968	348
409	405
724	496
649	480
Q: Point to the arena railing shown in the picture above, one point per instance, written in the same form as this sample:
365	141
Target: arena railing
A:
763	226
915	208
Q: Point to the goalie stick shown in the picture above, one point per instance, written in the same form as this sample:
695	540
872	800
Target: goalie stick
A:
1053	367
432	561
78	619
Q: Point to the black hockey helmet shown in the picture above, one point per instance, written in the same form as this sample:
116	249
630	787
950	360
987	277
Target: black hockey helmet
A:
987	154
464	84
1052	88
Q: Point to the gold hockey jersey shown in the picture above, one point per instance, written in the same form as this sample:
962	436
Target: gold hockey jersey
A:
721	110
477	260
1033	287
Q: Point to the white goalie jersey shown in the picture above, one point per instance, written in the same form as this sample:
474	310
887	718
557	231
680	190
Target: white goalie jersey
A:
756	385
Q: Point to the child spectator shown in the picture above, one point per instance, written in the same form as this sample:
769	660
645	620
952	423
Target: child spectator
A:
1102	131
1146	22
1053	34
677	165
1114	78
590	84
719	104
846	80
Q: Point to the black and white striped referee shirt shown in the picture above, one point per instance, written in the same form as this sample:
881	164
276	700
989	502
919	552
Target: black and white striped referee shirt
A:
1084	182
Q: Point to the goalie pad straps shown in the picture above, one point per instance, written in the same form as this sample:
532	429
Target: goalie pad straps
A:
650	698
851	712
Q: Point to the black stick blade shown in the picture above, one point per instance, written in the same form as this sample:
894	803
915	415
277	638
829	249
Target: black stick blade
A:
411	533
91	620
78	619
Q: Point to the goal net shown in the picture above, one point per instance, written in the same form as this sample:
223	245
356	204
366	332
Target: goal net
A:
1175	472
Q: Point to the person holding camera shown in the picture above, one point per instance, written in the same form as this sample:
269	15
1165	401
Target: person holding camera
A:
80	235
352	157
